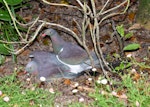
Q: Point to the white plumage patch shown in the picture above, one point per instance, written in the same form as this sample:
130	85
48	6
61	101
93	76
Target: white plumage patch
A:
73	68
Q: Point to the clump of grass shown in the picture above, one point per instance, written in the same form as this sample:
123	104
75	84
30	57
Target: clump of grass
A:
19	96
132	91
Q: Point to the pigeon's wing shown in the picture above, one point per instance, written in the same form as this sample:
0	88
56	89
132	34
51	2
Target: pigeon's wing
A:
73	54
50	67
52	70
43	57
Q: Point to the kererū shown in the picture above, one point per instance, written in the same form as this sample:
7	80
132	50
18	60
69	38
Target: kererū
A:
48	65
67	52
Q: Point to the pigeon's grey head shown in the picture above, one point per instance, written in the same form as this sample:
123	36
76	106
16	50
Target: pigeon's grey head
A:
32	68
49	32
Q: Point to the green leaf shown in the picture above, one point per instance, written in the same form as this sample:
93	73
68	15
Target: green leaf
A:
123	66
131	47
120	30
2	59
4	15
129	35
12	2
4	50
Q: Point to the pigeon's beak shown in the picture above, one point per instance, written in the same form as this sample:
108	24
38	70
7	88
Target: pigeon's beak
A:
25	72
43	35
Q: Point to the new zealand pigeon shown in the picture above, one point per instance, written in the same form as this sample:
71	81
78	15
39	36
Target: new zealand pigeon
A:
67	52
48	65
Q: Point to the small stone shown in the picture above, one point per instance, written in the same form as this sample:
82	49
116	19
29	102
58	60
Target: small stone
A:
28	79
98	81
74	91
102	92
137	104
81	99
104	81
28	74
23	93
129	55
141	73
114	93
51	90
111	83
94	69
133	71
1	93
15	69
89	79
42	79
33	88
6	99
76	84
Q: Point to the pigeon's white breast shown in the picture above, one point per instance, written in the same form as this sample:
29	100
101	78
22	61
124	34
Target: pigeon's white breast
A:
73	68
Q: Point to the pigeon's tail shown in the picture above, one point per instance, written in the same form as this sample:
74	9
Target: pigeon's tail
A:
97	63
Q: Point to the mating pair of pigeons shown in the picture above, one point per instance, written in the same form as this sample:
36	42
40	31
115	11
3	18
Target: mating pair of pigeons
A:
67	61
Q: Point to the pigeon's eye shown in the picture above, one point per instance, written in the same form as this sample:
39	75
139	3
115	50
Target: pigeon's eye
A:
30	68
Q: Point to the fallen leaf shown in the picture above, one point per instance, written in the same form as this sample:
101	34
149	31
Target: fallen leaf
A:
28	18
26	52
32	102
135	26
136	76
64	2
88	82
119	94
67	82
21	73
57	17
2	69
85	88
75	30
131	16
74	23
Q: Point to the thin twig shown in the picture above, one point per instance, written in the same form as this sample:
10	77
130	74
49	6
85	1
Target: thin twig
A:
65	5
114	14
121	42
78	26
31	27
31	40
88	12
103	8
112	9
107	17
79	2
97	46
24	25
2	41
85	24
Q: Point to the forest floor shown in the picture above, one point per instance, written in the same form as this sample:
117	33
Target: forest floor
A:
89	92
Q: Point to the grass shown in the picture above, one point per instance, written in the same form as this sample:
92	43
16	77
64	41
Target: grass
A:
137	93
132	89
20	96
